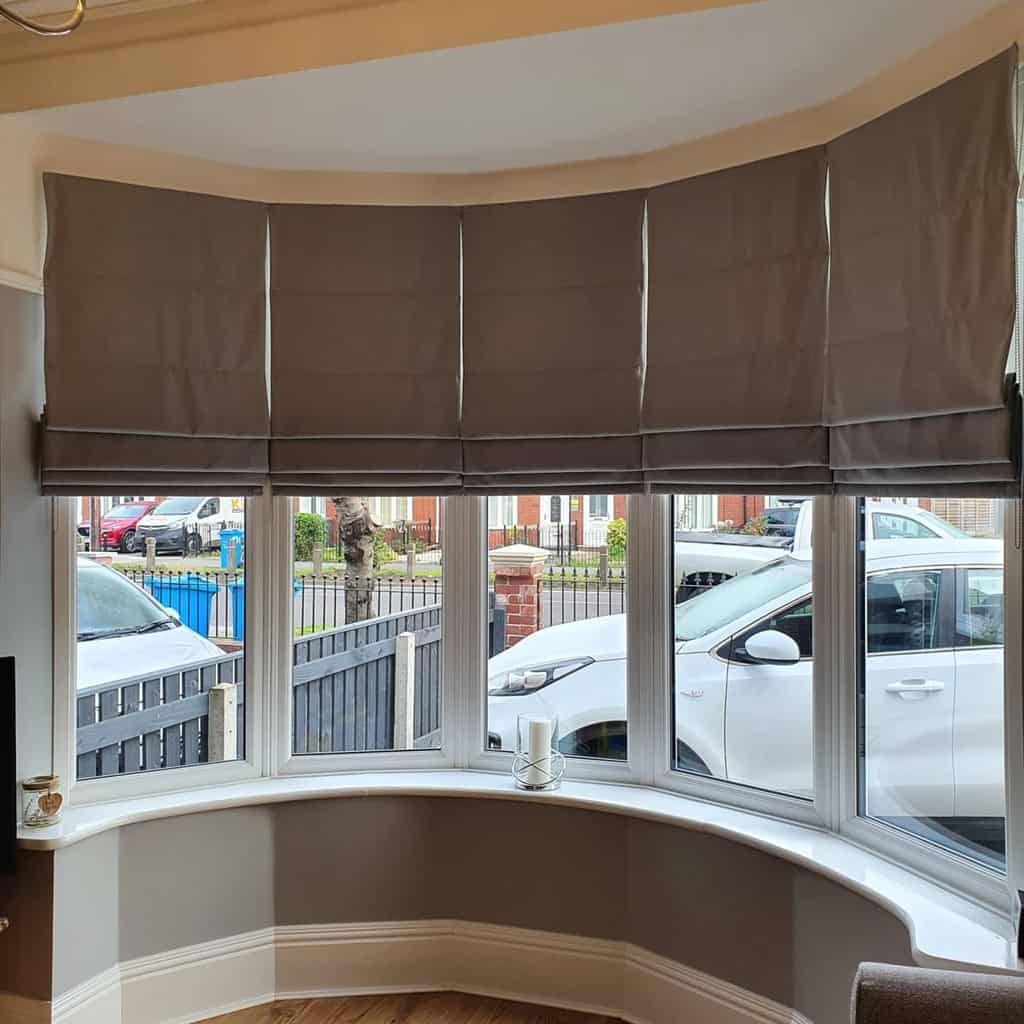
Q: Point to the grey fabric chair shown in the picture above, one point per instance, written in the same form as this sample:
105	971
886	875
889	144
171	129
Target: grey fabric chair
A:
886	994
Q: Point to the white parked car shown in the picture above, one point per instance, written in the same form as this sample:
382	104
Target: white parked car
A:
704	559
933	680
124	632
187	525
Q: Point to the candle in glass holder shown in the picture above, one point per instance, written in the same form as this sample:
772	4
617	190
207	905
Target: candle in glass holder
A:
538	751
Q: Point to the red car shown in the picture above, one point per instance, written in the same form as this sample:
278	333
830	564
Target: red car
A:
117	527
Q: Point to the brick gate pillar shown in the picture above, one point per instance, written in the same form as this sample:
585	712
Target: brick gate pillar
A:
517	583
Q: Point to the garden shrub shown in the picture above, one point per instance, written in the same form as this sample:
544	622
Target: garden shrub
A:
617	539
310	529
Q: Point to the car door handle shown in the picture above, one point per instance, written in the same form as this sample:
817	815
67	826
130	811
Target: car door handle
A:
910	689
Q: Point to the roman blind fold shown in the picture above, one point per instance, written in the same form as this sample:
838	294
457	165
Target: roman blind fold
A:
922	304
553	344
738	264
155	344
365	349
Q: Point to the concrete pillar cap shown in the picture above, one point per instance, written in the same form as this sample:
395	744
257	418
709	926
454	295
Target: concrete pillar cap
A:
518	556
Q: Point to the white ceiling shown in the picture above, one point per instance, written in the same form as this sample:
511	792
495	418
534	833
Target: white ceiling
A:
548	99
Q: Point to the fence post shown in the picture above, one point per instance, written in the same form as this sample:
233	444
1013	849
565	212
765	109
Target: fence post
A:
410	559
602	564
151	554
233	553
222	742
405	691
318	559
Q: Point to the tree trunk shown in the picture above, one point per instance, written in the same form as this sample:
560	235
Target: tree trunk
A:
355	535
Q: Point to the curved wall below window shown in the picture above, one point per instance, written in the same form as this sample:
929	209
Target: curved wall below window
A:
303	873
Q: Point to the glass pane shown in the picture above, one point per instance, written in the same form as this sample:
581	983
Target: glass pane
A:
931	757
556	629
743	639
366	623
160	605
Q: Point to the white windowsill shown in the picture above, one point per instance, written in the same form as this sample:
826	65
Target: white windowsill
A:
945	930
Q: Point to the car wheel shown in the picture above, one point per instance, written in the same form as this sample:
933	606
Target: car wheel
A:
128	542
688	760
604	739
193	545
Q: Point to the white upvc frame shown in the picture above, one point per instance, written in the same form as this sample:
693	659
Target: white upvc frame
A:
65	673
284	761
814	812
649	606
474	739
984	886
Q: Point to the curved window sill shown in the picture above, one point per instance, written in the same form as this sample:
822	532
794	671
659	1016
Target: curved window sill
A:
945	930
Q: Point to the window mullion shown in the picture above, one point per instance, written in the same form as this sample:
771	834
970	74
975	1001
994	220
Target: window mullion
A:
1013	673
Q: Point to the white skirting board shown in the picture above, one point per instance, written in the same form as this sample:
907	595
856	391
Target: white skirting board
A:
595	975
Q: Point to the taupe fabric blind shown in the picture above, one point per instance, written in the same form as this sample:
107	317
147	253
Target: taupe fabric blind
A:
552	344
365	349
922	301
155	340
736	329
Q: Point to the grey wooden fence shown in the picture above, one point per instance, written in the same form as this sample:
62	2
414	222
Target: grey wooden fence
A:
156	721
343	684
343	687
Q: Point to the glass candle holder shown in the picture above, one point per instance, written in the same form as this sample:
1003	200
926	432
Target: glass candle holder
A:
41	801
537	764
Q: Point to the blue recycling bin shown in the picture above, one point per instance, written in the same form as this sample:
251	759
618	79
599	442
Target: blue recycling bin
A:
226	537
236	592
190	595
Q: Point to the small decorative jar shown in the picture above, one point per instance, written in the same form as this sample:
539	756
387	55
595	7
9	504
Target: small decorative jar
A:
537	765
41	801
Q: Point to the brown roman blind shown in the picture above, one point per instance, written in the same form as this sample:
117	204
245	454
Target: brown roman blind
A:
553	344
922	301
736	329
155	340
365	349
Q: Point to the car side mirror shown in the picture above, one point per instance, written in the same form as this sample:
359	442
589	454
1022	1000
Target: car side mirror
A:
772	647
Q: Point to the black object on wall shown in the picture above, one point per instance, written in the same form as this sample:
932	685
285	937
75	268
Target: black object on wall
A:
8	770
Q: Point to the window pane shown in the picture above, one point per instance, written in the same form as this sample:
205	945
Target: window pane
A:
160	605
366	623
743	640
931	757
556	629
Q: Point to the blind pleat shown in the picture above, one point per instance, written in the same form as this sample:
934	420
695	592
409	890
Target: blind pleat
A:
923	292
365	353
736	324
155	328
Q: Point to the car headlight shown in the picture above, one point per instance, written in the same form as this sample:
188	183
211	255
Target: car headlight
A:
516	682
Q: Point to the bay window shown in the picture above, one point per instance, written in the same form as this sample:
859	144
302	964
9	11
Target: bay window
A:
931	680
556	631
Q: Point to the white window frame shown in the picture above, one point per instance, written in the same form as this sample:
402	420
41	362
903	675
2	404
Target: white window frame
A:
957	872
65	650
649	673
284	761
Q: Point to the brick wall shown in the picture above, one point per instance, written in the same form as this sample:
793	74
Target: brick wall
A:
740	508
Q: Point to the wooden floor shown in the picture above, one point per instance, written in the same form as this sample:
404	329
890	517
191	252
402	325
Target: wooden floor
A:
426	1008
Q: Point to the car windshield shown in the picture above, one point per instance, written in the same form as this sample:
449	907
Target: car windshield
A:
734	598
126	512
177	506
783	515
110	605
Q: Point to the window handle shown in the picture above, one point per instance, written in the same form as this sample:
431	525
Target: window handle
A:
911	689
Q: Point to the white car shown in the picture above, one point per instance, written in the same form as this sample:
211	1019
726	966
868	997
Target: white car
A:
933	680
123	632
188	525
704	559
